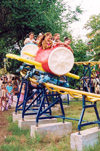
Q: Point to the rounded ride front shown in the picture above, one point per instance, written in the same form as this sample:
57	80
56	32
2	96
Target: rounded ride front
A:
58	60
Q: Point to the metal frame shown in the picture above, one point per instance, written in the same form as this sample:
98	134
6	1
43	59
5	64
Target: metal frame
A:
40	105
23	106
43	106
87	71
84	107
43	114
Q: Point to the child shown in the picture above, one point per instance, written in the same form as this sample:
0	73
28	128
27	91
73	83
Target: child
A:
67	42
39	38
46	41
30	39
9	89
3	97
21	99
15	86
56	39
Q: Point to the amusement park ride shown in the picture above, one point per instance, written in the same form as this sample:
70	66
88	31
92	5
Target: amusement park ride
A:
44	79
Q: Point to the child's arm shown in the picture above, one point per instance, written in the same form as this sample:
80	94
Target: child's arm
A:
12	90
7	91
26	41
58	43
34	41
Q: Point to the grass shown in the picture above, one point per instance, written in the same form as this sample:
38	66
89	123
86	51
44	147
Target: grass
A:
16	131
9	118
10	139
8	147
20	140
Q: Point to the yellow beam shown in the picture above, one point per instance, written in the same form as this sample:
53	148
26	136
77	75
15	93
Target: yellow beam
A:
16	57
71	75
31	55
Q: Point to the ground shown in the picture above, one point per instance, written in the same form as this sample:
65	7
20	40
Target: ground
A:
14	139
4	124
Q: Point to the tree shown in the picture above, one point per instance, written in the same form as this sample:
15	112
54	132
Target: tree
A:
19	17
94	36
79	47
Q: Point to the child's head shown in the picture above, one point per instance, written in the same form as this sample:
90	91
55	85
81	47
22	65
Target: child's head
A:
39	37
67	40
47	36
56	36
31	35
9	83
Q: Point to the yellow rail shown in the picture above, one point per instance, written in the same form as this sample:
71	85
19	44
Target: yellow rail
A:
74	93
87	63
92	35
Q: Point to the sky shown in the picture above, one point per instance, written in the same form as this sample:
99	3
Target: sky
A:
90	7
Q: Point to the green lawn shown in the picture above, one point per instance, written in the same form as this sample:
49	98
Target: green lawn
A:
20	140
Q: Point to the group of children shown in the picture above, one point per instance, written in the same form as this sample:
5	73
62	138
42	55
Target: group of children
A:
47	41
8	88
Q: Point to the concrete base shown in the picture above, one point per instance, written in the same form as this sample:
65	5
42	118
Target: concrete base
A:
55	129
27	123
87	138
17	117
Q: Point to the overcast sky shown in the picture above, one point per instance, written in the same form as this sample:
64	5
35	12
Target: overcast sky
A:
90	7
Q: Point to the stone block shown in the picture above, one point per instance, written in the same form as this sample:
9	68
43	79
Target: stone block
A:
87	138
55	129
27	123
18	116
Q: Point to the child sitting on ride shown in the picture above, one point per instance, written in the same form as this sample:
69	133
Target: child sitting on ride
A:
56	39
67	42
46	41
57	42
39	38
30	39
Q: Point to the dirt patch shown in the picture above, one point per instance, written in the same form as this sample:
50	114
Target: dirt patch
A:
4	125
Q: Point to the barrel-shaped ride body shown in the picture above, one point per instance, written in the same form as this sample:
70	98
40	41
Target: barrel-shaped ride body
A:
58	60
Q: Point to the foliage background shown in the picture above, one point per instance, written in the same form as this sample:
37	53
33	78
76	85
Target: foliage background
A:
19	17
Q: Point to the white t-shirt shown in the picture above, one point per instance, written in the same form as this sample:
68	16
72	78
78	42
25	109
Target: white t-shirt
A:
28	40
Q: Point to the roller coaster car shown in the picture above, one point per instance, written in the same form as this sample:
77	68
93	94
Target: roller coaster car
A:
49	63
58	60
